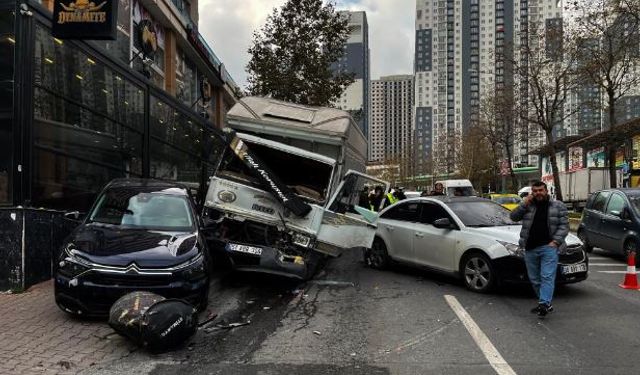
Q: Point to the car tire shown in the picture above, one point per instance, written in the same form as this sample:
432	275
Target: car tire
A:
377	256
478	273
582	235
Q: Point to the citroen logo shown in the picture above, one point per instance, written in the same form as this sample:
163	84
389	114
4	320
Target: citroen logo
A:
132	269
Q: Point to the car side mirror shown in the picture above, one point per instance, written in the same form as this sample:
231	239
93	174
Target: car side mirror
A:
73	216
443	223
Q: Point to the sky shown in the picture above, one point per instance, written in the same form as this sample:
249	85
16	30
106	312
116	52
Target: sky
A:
228	25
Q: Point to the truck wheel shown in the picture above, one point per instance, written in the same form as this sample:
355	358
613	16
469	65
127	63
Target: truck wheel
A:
585	242
377	257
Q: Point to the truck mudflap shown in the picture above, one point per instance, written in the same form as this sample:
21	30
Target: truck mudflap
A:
266	259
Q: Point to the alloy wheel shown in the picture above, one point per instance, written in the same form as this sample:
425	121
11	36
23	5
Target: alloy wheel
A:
478	274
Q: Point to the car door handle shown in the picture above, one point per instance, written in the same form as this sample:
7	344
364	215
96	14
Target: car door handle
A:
418	234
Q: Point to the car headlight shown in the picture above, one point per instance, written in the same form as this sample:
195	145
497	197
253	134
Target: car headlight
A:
301	239
72	265
192	268
512	248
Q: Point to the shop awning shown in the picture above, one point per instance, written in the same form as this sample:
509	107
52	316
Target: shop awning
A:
615	136
558	145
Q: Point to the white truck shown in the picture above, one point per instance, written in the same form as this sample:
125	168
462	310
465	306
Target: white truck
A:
286	192
578	185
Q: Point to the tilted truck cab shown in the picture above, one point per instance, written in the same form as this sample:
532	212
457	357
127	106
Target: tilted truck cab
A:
278	208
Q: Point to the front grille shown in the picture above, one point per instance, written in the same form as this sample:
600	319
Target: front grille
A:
128	280
572	254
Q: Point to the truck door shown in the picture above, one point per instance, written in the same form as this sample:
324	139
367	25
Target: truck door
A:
344	223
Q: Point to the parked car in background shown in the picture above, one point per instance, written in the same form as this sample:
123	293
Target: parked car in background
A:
508	201
139	235
460	188
468	237
611	221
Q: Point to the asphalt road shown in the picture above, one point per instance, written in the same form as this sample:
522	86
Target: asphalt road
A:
354	320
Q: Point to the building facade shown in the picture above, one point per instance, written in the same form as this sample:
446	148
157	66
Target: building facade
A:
462	50
355	98
392	126
75	114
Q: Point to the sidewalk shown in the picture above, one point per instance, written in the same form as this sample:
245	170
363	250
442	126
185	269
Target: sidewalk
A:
36	337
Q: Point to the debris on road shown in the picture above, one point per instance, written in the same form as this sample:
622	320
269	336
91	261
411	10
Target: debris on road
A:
232	325
317	333
266	308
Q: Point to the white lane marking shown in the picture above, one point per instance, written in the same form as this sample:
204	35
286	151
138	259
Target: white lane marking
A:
607	264
612	271
490	352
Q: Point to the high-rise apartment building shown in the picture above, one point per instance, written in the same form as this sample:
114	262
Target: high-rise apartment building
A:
391	138
355	98
457	61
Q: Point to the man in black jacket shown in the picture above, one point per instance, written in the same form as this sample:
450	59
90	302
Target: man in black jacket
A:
545	225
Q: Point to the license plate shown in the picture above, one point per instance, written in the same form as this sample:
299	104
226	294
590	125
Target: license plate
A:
574	268
245	249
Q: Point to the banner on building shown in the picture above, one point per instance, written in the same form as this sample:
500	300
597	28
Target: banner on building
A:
547	172
561	160
575	159
636	152
84	19
595	157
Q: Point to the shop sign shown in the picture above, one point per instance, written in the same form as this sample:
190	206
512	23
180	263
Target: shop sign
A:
595	157
575	159
636	152
84	19
619	157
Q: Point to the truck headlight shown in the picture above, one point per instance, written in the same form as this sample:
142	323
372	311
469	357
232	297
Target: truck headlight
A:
301	239
512	248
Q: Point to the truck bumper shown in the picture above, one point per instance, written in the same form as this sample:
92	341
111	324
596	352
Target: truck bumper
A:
264	259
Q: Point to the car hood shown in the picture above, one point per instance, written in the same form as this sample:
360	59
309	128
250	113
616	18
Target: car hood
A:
511	234
120	247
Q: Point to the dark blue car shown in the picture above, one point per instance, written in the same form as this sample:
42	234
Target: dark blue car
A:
139	235
611	221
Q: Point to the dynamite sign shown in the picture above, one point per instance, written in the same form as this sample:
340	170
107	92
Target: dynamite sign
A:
84	19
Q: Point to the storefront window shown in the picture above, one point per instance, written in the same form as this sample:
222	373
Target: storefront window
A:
7	45
88	125
186	76
176	143
120	47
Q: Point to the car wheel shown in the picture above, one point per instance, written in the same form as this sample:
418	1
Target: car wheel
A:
477	273
377	256
583	237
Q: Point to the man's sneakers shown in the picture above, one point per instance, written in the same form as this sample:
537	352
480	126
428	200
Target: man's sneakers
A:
542	310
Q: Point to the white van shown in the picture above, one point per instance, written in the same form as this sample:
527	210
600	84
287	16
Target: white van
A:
457	188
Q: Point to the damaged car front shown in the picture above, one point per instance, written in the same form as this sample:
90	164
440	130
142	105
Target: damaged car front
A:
255	229
140	235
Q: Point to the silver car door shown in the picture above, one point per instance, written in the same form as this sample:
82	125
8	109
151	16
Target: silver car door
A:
396	227
435	247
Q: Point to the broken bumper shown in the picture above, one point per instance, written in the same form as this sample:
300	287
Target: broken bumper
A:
266	259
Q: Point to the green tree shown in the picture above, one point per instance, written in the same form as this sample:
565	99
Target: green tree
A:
293	53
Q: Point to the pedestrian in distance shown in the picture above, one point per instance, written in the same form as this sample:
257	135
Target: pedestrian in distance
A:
438	189
376	197
545	226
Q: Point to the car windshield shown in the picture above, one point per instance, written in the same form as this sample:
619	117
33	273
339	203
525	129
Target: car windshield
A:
461	191
507	200
136	209
481	214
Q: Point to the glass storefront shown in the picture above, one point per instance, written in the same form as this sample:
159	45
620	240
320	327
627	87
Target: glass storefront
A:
7	46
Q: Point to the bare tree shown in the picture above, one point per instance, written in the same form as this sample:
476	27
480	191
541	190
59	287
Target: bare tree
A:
609	45
499	115
546	68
